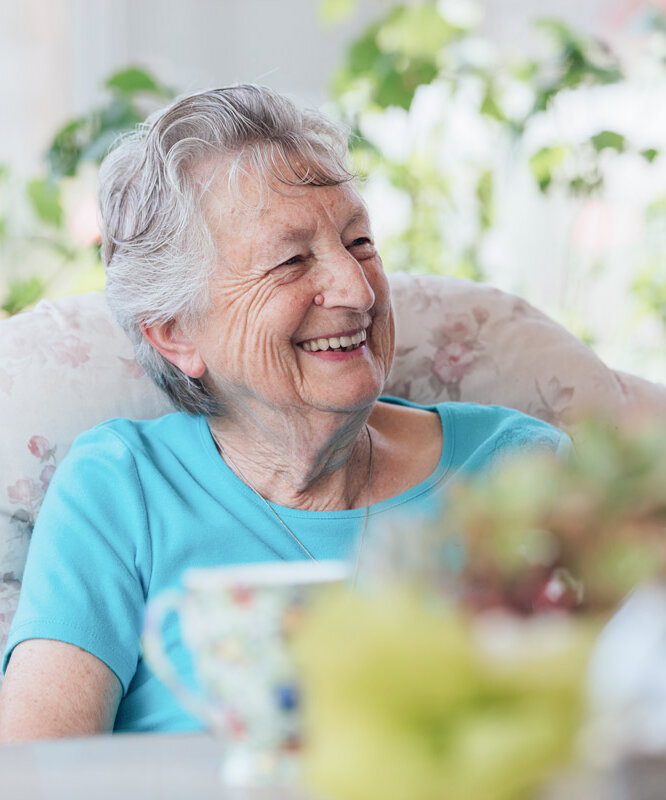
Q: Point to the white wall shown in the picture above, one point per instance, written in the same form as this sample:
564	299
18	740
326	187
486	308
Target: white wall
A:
55	54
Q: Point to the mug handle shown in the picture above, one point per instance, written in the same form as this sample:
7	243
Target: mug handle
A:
169	602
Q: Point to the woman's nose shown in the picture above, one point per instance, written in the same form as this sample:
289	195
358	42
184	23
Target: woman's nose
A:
345	283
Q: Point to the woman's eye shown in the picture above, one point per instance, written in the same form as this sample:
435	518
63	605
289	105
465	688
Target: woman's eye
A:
362	247
285	271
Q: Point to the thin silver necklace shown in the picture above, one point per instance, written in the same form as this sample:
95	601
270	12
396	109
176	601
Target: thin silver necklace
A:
225	455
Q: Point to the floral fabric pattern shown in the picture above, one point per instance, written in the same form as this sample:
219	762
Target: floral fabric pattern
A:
67	366
28	493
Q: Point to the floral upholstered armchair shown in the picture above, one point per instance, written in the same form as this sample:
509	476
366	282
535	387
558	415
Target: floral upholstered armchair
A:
66	366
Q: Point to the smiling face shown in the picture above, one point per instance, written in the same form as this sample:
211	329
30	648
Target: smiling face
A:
300	315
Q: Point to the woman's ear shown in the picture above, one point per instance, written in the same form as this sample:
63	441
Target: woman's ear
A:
169	339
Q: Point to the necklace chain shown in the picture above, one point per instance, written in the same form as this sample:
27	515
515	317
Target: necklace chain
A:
238	472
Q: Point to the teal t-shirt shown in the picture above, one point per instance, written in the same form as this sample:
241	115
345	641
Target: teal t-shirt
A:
134	504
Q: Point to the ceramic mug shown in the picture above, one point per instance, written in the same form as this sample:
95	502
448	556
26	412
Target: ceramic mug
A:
237	622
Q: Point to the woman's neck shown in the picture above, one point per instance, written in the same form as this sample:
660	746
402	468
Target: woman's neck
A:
317	462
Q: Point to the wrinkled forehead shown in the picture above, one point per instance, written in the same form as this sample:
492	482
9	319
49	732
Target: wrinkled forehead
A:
235	193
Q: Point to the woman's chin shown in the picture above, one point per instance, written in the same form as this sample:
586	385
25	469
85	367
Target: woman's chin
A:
346	398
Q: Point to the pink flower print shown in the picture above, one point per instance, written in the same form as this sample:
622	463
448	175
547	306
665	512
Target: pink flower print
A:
39	447
556	402
421	298
453	361
457	349
463	328
458	328
71	350
481	315
45	476
25	492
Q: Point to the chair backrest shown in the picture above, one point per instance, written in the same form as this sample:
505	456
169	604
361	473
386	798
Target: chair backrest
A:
66	365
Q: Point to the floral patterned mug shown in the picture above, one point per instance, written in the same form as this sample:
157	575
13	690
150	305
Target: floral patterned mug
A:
237	622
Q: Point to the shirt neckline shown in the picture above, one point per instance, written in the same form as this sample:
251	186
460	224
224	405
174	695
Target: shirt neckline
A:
426	485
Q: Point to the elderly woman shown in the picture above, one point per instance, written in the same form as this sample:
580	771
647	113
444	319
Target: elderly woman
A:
241	262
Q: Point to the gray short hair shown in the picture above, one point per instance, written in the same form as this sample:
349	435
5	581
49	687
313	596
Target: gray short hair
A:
156	246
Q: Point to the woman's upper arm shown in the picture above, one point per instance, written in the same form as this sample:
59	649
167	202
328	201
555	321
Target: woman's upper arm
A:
53	689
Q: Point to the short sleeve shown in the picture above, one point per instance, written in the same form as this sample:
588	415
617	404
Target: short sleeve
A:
89	560
485	437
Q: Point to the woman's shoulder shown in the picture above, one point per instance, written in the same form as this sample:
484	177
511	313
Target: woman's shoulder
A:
477	433
482	434
136	434
498	421
483	420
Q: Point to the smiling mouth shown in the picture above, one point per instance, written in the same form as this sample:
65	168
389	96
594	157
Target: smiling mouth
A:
336	344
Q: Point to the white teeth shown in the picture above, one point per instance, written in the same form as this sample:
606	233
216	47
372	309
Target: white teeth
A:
334	343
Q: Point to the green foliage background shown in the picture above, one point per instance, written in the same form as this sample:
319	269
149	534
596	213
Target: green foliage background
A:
450	210
416	47
45	244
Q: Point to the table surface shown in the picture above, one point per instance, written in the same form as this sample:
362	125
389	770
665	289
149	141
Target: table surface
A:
166	766
122	767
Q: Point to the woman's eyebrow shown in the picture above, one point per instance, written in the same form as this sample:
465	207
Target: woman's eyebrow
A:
359	215
295	234
298	234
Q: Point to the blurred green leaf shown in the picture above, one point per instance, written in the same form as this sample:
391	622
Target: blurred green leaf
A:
608	139
489	105
132	80
44	196
65	150
650	289
581	58
364	53
656	211
655	19
87	138
544	162
396	55
586	184
416	31
118	114
95	150
484	194
650	154
397	86
23	293
332	12
579	61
